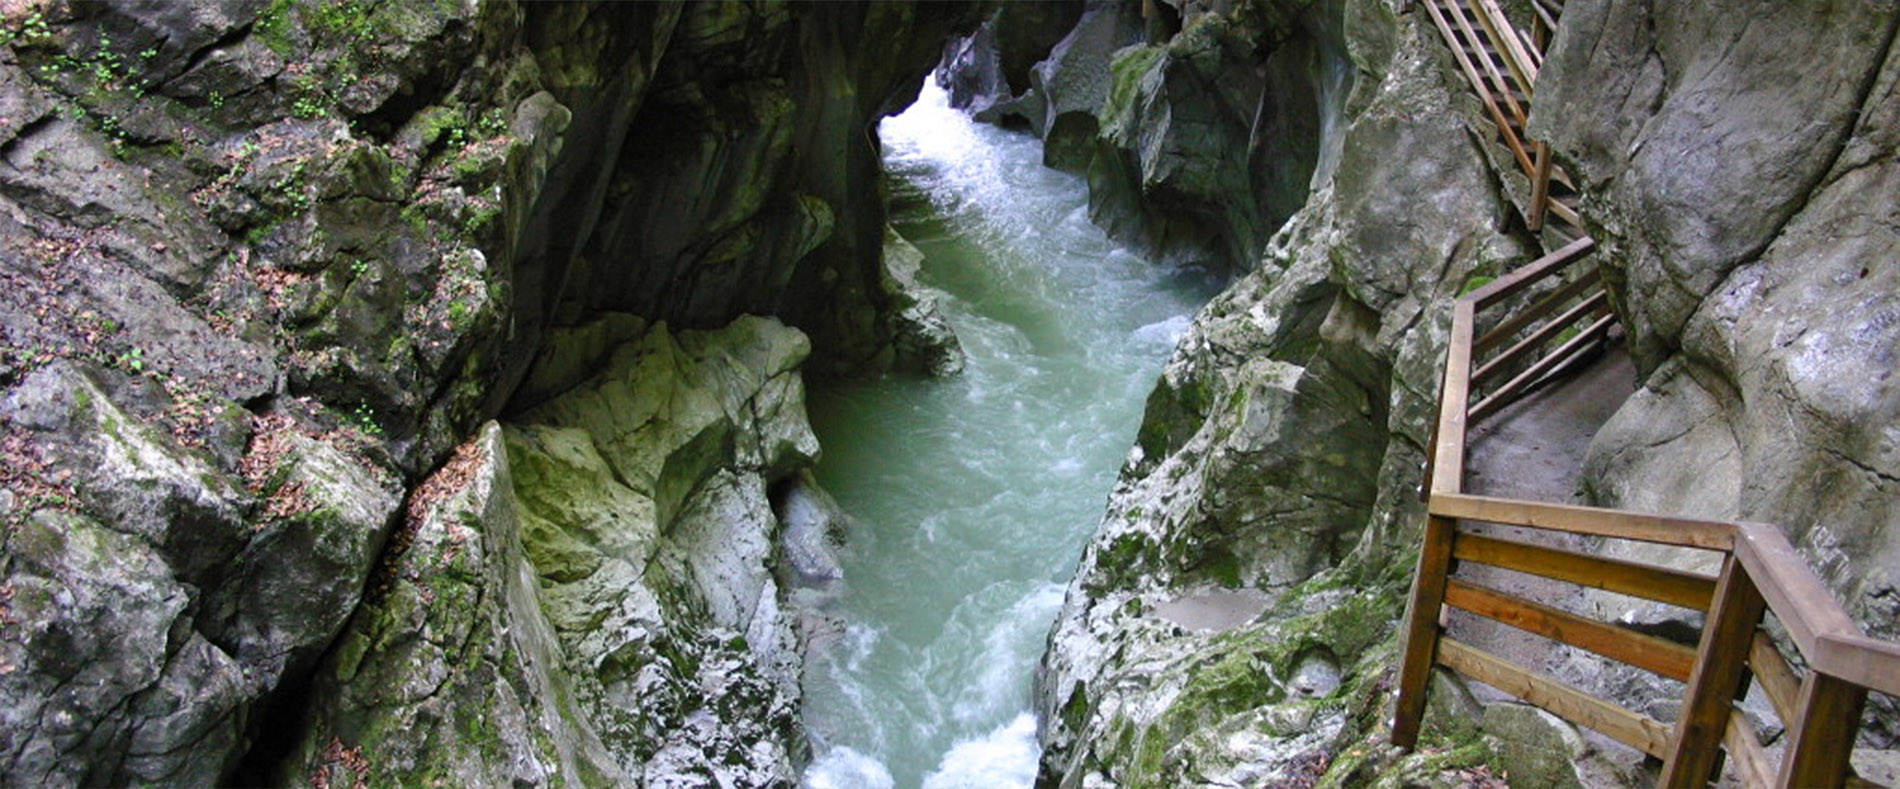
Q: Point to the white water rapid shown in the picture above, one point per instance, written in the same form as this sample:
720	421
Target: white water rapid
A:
972	497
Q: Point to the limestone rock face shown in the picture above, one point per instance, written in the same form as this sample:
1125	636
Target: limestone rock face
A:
452	671
1201	126
1278	455
265	265
589	592
1737	168
176	597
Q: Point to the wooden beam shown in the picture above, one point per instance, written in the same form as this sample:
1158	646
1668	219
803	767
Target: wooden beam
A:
1861	660
1540	186
1550	329
1566	213
1721	671
1520	384
1421	630
1777	678
1448	462
1637	731
1505	85
1746	753
1595	521
1530	273
1650	582
1804	606
1641	650
1822	736
1538	310
1504	37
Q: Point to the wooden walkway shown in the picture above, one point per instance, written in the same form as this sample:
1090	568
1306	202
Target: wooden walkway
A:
1525	329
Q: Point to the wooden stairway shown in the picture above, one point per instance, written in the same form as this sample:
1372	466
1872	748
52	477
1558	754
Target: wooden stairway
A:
1558	300
1500	62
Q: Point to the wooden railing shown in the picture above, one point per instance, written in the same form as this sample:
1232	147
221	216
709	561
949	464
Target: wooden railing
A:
1761	573
1501	63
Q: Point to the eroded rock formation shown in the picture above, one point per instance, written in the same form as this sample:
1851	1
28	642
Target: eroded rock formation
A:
266	265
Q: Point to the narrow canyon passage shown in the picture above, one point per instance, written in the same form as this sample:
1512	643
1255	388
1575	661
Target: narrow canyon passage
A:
972	497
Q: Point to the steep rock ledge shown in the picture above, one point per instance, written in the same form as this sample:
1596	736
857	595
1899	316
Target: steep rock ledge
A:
1739	170
587	595
1231	621
265	264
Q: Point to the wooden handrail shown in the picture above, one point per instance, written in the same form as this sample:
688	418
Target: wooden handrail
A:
1641	650
1592	521
1661	584
1530	274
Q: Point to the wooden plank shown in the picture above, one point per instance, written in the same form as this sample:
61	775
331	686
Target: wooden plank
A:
1822	736
1536	311
1861	660
1520	384
1566	213
1421	630
1641	650
1504	35
1804	606
1637	731
1551	328
1540	186
1775	675
1721	671
1745	752
1621	524
1650	582
1504	84
1448	463
1529	274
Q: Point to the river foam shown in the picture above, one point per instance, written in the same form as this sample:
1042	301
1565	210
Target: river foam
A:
971	498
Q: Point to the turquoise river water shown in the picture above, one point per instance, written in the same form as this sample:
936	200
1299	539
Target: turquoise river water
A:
972	497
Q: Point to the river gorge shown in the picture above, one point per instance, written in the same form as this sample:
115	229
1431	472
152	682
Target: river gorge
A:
735	393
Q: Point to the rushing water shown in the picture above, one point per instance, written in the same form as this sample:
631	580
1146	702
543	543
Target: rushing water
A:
972	497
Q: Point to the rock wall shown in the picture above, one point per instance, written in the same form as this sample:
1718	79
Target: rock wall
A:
1231	622
264	265
587	593
1201	126
1738	170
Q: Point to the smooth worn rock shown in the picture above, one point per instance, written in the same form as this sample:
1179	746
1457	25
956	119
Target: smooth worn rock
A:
1734	169
923	339
453	672
645	511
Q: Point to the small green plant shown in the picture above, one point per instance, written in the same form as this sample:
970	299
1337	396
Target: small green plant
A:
493	123
31	28
133	360
309	106
216	99
359	268
366	420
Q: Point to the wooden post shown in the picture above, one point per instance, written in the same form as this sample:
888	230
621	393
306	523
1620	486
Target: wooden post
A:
1823	734
1540	186
1421	629
1720	672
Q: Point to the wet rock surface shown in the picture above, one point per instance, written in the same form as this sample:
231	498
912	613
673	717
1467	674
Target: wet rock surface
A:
264	266
1278	454
1731	178
588	594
